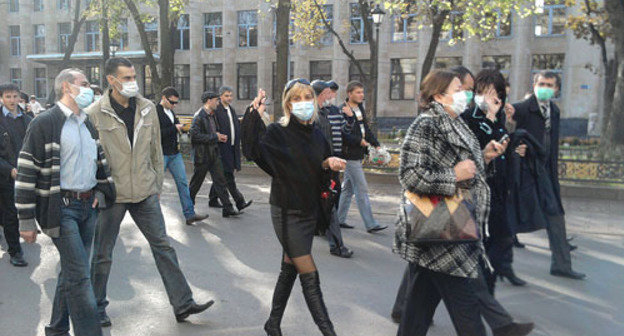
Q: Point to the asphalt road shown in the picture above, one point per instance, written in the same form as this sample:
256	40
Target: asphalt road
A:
236	261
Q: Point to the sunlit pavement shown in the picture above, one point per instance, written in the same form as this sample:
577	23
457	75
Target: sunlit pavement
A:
235	262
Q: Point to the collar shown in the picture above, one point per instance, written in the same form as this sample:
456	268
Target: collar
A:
8	113
68	112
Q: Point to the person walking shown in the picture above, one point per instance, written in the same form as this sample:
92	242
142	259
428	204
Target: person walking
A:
130	136
63	180
355	147
170	128
230	150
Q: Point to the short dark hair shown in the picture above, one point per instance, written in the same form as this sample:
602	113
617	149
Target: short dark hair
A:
489	77
9	87
112	64
170	92
462	71
24	96
548	74
436	82
354	85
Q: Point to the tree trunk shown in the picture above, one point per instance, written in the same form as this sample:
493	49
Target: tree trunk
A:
438	22
615	137
167	49
282	64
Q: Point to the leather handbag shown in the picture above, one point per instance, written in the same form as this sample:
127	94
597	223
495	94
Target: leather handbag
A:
430	220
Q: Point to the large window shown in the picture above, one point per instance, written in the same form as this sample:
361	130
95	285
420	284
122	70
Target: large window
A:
405	28
16	77
62	5
454	29
41	83
122	35
93	74
403	79
151	29
548	62
354	72
356	34
446	62
291	75
182	80
328	38
247	29
38	5
550	17
92	36
247	80
213	77
503	25
16	42
291	30
500	63
213	30
64	31
13	6
321	70
183	33
39	41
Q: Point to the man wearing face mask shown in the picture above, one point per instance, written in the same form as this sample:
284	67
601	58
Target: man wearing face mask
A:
130	135
540	116
35	106
13	125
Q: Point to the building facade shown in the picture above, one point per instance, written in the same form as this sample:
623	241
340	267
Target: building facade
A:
231	42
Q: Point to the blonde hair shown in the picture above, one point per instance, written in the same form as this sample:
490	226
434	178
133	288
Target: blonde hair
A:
287	96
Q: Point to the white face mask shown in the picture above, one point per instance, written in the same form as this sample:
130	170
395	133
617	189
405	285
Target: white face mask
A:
129	89
460	101
481	103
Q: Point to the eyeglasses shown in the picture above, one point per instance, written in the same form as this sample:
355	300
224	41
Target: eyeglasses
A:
292	83
172	102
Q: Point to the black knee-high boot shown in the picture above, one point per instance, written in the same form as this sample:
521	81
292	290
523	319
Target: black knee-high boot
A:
314	298
283	287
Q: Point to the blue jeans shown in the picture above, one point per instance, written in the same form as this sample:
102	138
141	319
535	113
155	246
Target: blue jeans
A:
355	183
149	219
175	164
74	295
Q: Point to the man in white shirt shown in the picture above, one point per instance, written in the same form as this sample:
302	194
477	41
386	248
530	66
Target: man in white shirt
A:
35	107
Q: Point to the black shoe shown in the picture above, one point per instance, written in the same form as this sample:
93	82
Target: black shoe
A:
514	329
229	212
283	287
513	279
342	252
193	309
346	226
242	206
572	247
311	285
517	243
377	229
17	260
196	218
215	204
396	317
105	321
569	274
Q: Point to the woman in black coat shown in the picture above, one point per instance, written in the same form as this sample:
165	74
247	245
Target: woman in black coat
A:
297	157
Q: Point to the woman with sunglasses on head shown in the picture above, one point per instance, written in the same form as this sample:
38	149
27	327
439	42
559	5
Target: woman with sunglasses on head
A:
297	157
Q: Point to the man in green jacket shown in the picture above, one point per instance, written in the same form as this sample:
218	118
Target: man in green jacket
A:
130	136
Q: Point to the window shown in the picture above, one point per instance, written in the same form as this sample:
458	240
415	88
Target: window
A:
446	62
122	35
41	83
182	36
92	37
291	30
402	78
354	72
549	62
39	43
247	29
13	6
550	17
213	77
356	35
453	28
503	26
64	31
321	70
247	80
500	63
63	5
328	38
151	29
16	77
213	30
16	43
182	80
405	28
148	87
38	5
93	74
277	91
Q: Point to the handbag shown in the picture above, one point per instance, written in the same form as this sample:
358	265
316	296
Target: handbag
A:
430	220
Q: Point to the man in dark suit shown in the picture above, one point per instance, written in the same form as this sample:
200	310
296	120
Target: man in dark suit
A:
540	116
228	125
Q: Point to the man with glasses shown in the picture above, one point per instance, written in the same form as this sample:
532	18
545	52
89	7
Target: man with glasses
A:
170	127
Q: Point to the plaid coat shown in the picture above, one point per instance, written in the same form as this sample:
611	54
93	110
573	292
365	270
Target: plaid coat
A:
434	144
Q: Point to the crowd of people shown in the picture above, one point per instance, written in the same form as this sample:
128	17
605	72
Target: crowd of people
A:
74	169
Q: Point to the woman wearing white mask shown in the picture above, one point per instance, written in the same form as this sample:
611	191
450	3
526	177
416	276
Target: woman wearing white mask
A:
297	157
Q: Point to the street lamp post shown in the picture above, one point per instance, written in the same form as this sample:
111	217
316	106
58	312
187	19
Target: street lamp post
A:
378	15
114	47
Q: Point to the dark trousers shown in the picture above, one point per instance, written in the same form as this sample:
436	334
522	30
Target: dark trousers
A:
8	214
500	252
218	180
557	238
230	183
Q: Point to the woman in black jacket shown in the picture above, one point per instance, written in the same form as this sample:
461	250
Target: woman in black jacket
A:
297	156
